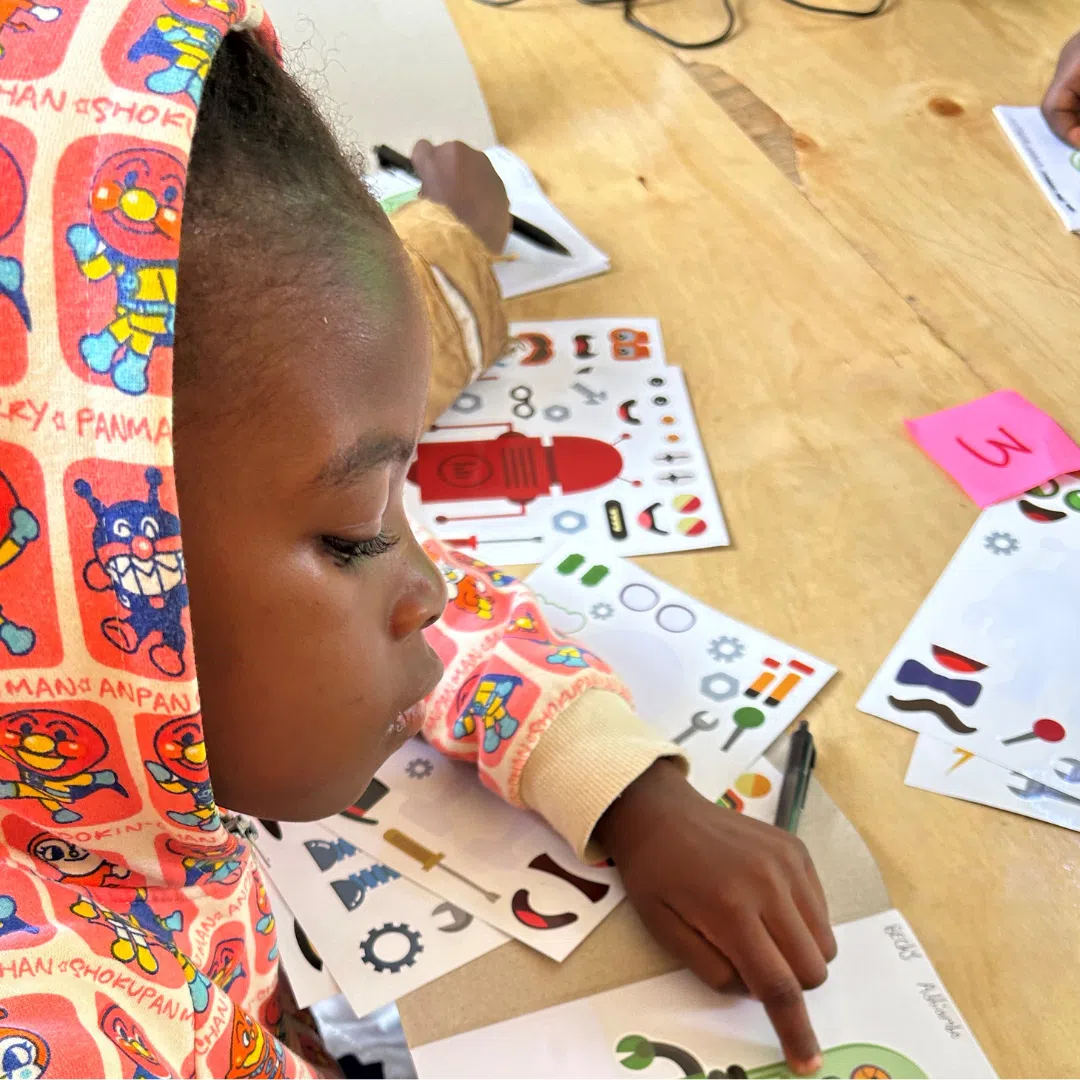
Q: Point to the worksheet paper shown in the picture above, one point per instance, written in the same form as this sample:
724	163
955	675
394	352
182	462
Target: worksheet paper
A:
1054	166
380	935
527	267
989	661
387	71
309	978
882	1013
722	690
520	463
501	864
950	770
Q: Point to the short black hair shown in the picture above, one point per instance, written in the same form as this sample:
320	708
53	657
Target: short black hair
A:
271	197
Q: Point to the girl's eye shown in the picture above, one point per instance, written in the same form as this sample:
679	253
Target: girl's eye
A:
349	552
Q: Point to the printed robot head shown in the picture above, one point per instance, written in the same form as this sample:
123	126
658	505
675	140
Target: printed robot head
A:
51	743
23	1055
137	203
180	747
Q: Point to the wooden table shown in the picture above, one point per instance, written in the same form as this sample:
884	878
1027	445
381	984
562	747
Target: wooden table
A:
835	236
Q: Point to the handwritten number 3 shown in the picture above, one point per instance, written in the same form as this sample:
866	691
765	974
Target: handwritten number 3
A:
1003	447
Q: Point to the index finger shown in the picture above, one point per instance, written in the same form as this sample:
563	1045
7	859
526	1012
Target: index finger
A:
769	977
1061	108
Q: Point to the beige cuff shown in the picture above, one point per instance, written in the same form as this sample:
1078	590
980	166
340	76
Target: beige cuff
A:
589	755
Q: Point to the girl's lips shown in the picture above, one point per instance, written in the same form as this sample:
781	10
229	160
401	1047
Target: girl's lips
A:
409	723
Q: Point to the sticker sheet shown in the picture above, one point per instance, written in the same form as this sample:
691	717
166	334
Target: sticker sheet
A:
756	792
950	770
720	689
432	820
882	1013
380	935
309	977
517	465
989	660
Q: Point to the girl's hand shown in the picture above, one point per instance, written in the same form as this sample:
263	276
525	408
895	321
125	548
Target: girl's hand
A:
1061	106
734	899
463	179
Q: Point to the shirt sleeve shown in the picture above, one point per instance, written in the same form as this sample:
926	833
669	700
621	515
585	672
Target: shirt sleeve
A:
549	726
469	328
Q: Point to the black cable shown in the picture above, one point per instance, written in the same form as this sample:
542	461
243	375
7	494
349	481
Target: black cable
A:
631	18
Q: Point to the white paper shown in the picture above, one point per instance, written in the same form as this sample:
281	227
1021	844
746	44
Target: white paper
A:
554	455
1054	166
528	267
990	657
949	770
389	71
517	868
308	975
380	936
681	660
883	1008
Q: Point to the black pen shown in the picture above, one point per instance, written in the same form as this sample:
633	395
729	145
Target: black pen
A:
800	764
391	159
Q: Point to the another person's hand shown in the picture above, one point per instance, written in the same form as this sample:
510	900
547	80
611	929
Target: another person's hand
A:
734	899
463	179
1061	105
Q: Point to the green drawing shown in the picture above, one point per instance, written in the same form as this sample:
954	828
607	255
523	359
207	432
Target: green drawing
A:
855	1061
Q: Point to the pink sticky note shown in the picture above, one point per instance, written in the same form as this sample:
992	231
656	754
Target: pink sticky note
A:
996	447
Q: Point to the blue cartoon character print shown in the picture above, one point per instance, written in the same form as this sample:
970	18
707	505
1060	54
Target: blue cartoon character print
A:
24	1055
137	931
12	205
10	923
181	769
134	238
186	35
486	698
21	529
54	753
138	557
217	865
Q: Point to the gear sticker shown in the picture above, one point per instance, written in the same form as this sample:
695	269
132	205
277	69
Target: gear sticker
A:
726	649
601	611
419	769
1001	543
401	930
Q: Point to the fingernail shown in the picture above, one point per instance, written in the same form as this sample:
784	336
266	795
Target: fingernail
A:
810	1066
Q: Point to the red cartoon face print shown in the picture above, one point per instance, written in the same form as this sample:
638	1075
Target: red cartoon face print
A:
129	567
16	166
41	1035
174	754
139	1058
167	50
59	766
29	626
116	261
34	35
228	966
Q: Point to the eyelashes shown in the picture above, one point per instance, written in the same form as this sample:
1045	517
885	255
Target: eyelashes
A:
349	552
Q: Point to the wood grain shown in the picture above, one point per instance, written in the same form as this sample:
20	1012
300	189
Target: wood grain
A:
919	269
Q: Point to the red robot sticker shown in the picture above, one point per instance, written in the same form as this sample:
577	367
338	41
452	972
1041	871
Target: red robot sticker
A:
129	567
57	765
16	163
34	35
125	243
29	628
514	467
168	52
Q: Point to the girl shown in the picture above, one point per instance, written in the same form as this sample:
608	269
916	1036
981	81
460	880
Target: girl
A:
286	342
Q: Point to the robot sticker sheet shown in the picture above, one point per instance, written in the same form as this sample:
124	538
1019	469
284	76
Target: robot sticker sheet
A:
503	865
379	935
572	434
721	690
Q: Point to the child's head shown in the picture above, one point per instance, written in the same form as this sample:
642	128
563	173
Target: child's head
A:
301	375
